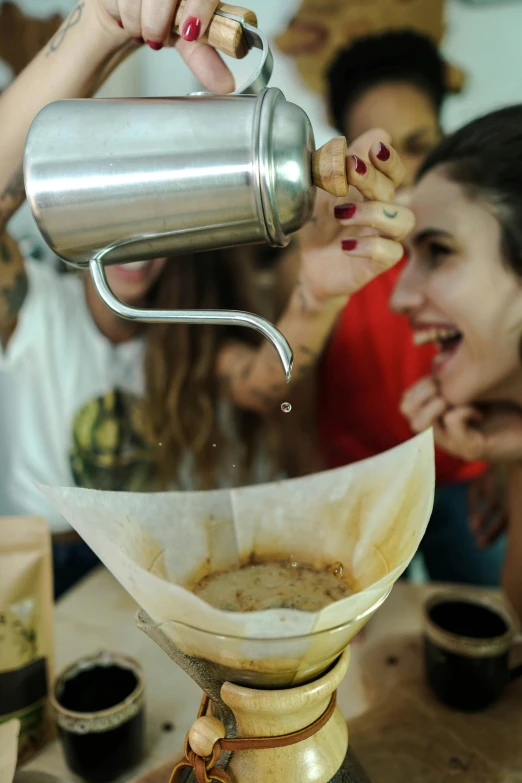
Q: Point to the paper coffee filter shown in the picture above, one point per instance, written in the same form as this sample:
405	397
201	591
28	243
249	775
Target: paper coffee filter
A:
370	516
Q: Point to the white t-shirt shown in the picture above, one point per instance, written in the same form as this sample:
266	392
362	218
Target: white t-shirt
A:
70	410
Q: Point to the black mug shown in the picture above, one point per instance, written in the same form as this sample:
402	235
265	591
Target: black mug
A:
467	645
99	706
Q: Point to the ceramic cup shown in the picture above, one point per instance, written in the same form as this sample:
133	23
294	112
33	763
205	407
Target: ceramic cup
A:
99	707
467	645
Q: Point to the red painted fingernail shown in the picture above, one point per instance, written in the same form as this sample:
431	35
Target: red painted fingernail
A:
360	165
155	45
344	211
384	153
348	244
191	29
139	40
119	23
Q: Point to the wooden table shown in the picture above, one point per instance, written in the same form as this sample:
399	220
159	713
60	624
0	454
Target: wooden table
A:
397	728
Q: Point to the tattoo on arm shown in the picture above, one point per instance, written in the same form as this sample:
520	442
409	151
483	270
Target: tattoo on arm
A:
266	399
71	21
309	352
5	253
12	296
246	370
390	214
12	196
303	304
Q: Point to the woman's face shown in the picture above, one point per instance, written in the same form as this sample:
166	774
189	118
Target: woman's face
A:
460	295
132	282
408	115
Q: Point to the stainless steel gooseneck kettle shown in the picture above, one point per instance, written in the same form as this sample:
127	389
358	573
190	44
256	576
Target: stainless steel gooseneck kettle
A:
113	181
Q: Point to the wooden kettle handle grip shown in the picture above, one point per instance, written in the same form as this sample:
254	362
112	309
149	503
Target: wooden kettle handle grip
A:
222	33
329	167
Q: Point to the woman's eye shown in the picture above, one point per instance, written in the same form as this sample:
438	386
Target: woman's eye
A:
437	254
419	149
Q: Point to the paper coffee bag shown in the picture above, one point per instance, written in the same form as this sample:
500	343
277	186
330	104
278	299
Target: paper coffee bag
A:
26	601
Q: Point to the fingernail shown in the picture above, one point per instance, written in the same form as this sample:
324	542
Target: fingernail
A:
139	40
348	244
119	23
384	152
344	211
191	29
360	165
155	45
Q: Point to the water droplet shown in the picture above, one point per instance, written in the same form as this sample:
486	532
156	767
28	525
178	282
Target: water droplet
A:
337	569
160	444
213	445
233	466
286	407
293	561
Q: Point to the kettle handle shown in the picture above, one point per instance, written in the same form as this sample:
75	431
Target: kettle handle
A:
224	33
329	167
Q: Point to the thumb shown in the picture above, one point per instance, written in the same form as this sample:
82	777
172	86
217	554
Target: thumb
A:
460	425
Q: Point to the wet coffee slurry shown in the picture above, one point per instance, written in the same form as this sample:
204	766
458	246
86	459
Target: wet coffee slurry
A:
273	585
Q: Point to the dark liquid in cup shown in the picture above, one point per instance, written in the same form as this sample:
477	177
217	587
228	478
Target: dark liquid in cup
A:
100	756
466	619
466	682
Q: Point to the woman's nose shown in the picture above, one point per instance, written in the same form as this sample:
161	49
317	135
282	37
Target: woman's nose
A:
408	293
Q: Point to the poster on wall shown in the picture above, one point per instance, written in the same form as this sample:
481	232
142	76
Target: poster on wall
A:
321	28
22	36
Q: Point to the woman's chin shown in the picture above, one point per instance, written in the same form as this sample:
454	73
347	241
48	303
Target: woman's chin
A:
457	389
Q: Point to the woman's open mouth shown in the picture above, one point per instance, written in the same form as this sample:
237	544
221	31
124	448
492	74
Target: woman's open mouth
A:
447	339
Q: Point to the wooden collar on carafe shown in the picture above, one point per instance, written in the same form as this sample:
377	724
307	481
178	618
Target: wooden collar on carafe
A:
207	738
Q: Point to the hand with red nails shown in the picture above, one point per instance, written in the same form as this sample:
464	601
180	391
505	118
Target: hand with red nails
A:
352	240
318	276
151	22
491	433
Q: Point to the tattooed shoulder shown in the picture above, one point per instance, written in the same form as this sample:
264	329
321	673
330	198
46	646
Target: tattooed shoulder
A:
12	297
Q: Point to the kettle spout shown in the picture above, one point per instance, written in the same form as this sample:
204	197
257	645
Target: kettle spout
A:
217	317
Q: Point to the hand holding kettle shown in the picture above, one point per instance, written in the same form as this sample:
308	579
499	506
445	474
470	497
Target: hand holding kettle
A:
352	240
179	23
347	244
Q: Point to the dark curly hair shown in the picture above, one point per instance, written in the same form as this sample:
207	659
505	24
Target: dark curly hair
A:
485	158
404	55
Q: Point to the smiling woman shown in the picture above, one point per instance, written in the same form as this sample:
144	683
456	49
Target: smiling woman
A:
462	285
462	289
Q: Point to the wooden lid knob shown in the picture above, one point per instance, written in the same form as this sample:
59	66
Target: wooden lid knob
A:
222	33
204	733
329	167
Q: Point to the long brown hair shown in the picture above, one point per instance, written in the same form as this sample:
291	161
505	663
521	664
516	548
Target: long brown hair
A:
182	389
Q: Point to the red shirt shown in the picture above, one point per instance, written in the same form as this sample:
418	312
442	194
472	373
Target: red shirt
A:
369	363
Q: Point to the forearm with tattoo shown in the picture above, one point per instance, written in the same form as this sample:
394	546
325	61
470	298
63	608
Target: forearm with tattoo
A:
74	63
254	378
